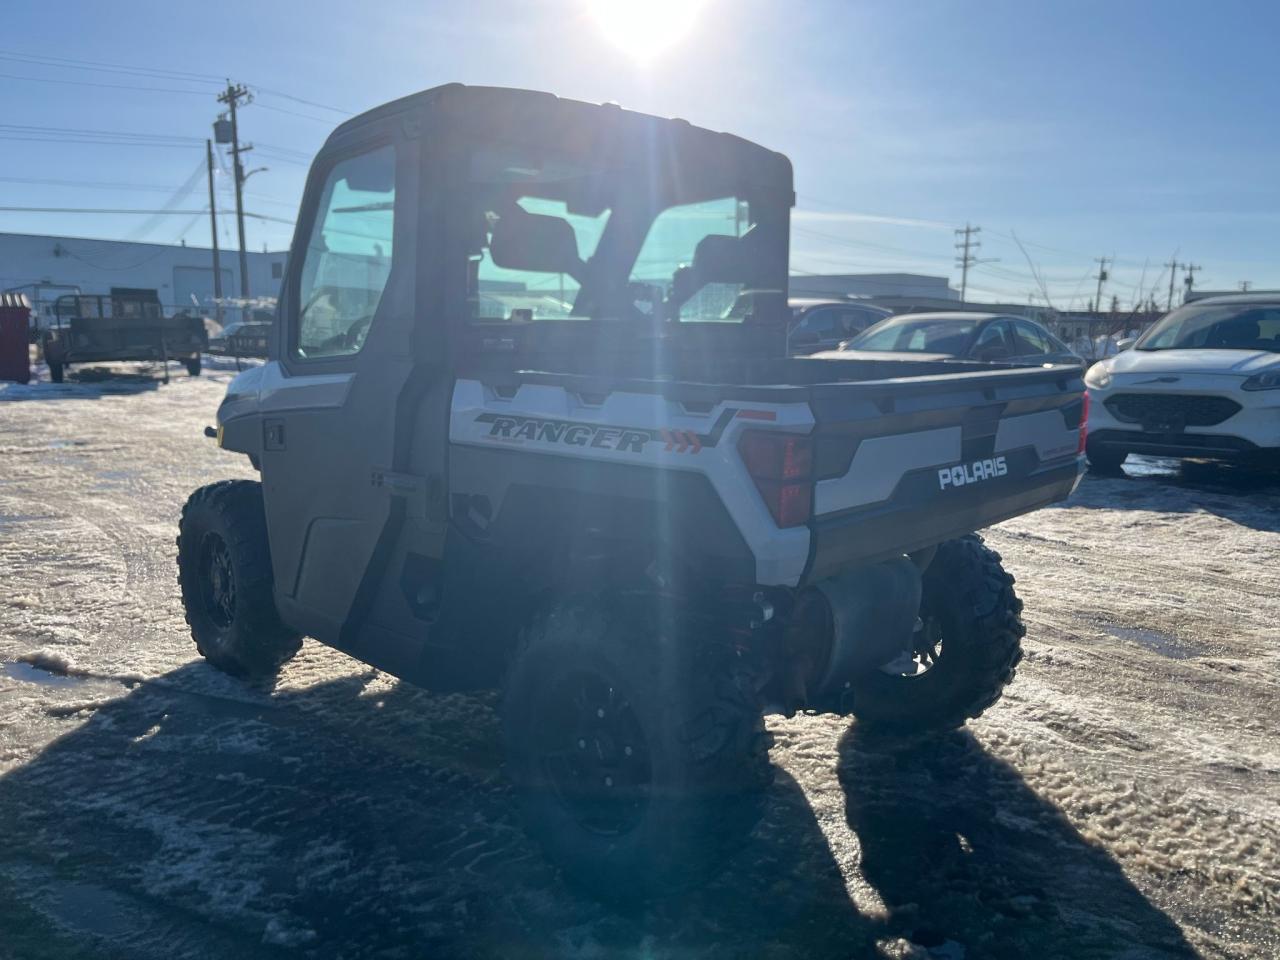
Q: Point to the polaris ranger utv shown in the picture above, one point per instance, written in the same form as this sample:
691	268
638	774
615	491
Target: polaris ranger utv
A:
513	432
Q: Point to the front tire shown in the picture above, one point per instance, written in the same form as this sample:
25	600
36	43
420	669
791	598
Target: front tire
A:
55	371
193	365
641	761
968	646
224	569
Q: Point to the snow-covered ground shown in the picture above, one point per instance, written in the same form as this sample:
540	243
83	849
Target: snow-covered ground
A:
1122	801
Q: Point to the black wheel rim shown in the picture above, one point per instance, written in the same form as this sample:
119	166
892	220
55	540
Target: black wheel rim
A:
594	754
925	653
217	581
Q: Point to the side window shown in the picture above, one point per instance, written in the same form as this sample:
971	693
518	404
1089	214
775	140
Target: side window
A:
846	324
991	343
1269	326
858	320
816	325
348	256
1028	339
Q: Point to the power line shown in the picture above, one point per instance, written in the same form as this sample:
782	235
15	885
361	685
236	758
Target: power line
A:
294	113
97	143
843	241
308	103
46	60
101	66
89	184
104	210
179	195
103	86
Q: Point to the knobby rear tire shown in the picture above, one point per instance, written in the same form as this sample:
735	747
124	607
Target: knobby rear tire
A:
702	730
968	590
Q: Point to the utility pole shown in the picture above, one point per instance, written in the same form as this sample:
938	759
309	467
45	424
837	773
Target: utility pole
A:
1245	285
966	259
1190	281
213	228
1173	266
1102	278
232	97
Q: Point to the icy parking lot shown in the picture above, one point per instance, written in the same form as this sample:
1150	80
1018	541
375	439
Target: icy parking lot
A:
1123	800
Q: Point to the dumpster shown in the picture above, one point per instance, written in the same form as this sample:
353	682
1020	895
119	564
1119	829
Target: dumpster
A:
15	336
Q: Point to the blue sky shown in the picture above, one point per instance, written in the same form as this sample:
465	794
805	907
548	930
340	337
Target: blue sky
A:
1086	129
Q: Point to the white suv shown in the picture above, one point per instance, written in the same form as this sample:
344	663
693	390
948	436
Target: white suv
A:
1204	382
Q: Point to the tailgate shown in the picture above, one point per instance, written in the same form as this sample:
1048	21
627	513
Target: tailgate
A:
905	464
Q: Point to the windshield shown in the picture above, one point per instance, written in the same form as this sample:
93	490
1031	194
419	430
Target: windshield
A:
916	335
571	239
1236	326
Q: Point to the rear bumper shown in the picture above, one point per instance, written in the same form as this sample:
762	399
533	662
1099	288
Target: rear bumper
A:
920	514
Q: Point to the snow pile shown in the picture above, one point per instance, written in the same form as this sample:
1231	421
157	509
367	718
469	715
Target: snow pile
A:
52	661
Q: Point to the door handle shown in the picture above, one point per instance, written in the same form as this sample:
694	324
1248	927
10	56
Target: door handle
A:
273	435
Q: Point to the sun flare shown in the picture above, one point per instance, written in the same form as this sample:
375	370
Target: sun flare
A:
643	29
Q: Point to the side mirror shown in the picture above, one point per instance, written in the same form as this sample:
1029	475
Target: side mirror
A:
533	242
1125	344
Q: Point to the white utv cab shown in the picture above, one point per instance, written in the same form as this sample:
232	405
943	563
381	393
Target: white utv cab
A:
507	437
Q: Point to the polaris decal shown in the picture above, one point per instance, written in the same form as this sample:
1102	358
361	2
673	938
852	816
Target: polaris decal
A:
974	472
516	428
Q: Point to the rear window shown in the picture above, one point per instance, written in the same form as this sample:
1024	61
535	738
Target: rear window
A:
917	335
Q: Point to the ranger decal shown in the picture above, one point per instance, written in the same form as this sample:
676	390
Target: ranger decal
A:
516	428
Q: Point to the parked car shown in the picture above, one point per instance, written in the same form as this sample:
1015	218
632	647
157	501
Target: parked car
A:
1204	382
987	337
242	338
825	324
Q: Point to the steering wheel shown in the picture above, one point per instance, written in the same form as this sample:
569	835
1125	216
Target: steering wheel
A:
349	341
353	339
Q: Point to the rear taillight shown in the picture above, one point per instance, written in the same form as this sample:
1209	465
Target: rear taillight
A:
1084	424
781	466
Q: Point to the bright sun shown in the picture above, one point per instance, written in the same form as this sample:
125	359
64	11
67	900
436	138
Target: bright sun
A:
645	28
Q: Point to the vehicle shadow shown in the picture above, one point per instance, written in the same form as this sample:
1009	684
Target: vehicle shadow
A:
355	817
1247	496
963	850
91	383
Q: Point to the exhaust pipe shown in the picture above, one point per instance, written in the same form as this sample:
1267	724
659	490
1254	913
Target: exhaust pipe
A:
850	624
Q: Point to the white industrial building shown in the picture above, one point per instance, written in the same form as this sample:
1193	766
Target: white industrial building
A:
911	286
45	268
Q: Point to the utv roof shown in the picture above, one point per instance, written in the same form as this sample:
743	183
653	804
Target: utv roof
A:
530	108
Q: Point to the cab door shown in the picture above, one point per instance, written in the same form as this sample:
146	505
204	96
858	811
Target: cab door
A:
335	480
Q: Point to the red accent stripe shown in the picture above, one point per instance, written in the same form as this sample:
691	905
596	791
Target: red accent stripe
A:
757	414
